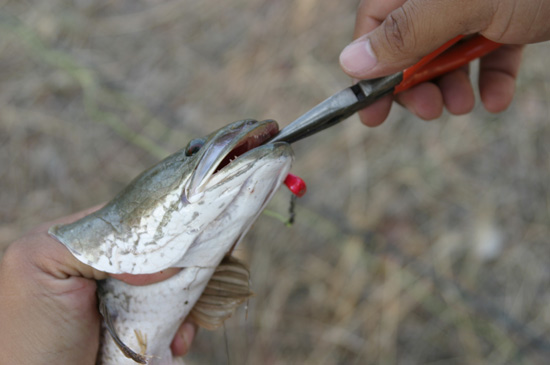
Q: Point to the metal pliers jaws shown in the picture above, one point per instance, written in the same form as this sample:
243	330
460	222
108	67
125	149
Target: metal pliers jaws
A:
338	107
345	103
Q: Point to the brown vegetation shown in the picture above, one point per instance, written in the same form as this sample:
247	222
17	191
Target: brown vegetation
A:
416	242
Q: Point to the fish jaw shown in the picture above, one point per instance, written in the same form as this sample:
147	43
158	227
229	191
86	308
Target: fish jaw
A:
151	224
255	191
226	144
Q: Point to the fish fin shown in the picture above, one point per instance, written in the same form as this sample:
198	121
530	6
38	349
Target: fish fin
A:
142	341
127	351
228	288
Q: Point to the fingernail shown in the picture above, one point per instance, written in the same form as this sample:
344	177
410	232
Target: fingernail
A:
358	57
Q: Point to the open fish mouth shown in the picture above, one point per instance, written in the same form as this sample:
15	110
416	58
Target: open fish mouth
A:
256	137
226	148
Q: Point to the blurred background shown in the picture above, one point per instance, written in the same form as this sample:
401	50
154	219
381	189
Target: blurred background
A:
417	243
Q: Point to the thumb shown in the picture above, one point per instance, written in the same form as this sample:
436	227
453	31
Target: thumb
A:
410	32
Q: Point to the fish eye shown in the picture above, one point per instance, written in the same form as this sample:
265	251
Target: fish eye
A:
194	146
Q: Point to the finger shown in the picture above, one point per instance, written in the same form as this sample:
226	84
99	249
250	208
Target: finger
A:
410	32
497	77
43	228
146	279
53	257
424	100
457	91
44	296
371	13
375	114
58	261
184	338
519	22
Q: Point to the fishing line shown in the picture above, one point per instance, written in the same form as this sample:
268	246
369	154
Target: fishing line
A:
226	344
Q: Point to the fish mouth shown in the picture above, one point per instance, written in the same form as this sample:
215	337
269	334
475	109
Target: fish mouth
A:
253	138
225	148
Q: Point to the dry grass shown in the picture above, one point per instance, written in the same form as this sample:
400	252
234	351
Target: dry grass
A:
417	242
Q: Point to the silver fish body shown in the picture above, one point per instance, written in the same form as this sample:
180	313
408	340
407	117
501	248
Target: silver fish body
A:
188	211
146	318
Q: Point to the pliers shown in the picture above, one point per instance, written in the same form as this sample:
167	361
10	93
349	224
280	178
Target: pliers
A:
343	104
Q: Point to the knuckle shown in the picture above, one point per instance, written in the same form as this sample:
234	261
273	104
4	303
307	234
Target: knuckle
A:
399	32
14	256
21	254
361	6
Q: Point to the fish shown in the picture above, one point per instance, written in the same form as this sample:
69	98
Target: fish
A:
188	211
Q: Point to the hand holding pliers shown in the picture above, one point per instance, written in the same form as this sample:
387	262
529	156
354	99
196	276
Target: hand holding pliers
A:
343	104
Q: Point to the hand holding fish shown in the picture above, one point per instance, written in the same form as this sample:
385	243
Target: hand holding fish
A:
165	241
48	304
392	35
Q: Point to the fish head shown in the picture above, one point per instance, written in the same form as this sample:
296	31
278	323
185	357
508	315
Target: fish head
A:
190	209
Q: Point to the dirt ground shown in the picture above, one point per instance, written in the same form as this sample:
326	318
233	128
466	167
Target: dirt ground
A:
417	243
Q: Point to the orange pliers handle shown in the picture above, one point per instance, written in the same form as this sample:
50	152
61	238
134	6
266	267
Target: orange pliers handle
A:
446	58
